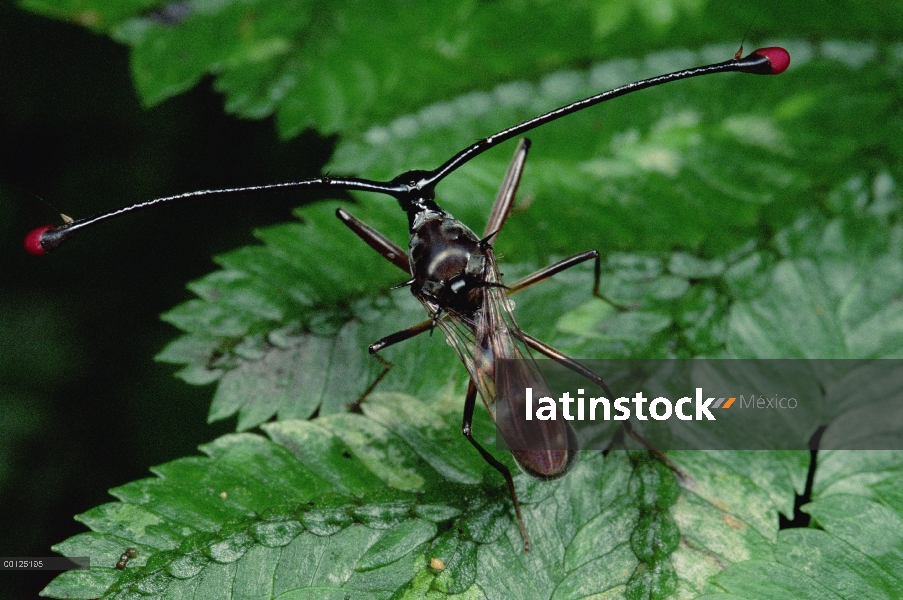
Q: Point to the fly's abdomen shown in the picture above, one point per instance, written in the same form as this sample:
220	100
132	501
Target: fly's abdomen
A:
544	449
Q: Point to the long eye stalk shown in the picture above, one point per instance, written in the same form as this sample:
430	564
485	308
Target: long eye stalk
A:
413	188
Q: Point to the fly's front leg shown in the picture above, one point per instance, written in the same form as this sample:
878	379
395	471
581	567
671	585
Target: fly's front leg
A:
563	265
466	429
501	208
386	247
573	365
395	255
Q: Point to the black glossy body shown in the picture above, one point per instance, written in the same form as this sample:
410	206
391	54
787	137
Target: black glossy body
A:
454	275
447	262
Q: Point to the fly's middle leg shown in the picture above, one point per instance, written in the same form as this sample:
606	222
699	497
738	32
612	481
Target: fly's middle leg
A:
563	265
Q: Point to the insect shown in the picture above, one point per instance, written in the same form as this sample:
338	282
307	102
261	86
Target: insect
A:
125	557
453	273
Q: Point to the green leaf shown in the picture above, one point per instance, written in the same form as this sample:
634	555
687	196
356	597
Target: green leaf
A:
280	319
255	516
728	509
247	516
854	553
396	543
252	517
352	64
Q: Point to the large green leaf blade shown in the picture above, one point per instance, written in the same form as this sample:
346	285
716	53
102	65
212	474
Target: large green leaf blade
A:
255	500
251	516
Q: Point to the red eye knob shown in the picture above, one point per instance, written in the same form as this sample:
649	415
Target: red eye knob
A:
33	241
777	56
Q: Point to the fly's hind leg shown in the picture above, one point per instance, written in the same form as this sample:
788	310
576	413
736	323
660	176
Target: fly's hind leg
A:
582	370
467	430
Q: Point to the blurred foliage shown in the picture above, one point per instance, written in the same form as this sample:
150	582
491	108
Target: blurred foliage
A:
741	216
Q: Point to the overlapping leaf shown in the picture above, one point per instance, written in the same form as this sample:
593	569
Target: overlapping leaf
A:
358	504
855	551
352	64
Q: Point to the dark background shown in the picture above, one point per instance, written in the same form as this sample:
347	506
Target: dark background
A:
83	406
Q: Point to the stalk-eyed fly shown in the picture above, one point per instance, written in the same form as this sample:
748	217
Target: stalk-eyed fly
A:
453	273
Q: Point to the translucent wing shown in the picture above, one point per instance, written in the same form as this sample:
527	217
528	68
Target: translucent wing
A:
490	344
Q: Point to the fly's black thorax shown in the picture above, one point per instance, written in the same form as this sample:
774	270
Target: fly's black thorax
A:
448	263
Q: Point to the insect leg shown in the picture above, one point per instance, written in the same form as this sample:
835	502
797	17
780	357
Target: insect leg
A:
554	269
386	247
580	369
400	336
395	255
658	453
387	365
466	428
505	198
